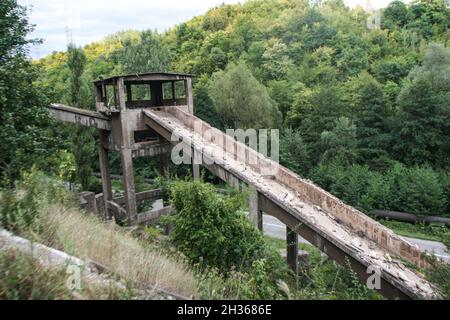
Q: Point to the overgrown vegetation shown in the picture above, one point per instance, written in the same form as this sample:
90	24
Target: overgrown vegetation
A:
326	280
419	189
228	258
23	278
214	232
368	99
439	274
363	112
41	210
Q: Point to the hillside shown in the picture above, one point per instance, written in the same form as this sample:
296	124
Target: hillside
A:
362	111
329	76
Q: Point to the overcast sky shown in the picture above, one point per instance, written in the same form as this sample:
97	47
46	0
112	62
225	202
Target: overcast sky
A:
92	20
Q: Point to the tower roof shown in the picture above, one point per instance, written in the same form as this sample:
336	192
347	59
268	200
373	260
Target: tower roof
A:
150	76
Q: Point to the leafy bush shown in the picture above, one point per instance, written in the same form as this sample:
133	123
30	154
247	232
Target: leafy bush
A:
351	185
439	274
415	190
294	152
212	230
444	178
95	185
255	283
329	281
20	208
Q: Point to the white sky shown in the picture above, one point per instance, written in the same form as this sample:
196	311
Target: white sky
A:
92	20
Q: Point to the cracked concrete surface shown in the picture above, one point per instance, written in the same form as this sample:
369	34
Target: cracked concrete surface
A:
338	227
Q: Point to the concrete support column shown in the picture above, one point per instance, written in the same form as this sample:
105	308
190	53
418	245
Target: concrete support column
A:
196	171
260	221
104	169
163	163
292	249
196	160
255	214
189	95
128	184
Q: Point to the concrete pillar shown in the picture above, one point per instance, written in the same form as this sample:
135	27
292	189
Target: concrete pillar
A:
128	184
90	205
196	160
254	214
195	171
292	249
104	169
189	95
125	139
163	163
260	221
101	209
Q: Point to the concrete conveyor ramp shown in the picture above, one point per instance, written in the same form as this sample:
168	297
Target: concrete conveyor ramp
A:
339	230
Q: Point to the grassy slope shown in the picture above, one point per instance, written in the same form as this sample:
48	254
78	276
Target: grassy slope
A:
88	238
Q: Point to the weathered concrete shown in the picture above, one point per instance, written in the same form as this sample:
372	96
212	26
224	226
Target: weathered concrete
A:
101	206
255	214
292	249
122	128
318	216
116	210
90	203
103	155
342	232
128	184
141	196
80	116
153	216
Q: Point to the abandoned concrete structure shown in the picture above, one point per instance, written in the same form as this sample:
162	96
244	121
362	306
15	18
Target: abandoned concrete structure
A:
137	115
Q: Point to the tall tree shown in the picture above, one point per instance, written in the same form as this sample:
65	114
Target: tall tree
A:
294	152
365	97
340	143
240	100
314	111
148	54
25	137
423	122
81	137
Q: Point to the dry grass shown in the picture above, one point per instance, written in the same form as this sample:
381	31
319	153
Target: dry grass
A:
88	238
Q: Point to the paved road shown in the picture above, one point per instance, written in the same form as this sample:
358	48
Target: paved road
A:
274	228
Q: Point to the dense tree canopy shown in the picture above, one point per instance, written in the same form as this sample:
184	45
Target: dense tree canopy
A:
424	111
352	96
25	137
240	100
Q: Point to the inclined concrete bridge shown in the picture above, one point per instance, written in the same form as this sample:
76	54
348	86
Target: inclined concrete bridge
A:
343	233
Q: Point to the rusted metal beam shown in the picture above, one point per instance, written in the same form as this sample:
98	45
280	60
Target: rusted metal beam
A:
80	116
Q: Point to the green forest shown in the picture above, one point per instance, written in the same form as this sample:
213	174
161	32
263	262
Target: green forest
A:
363	110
